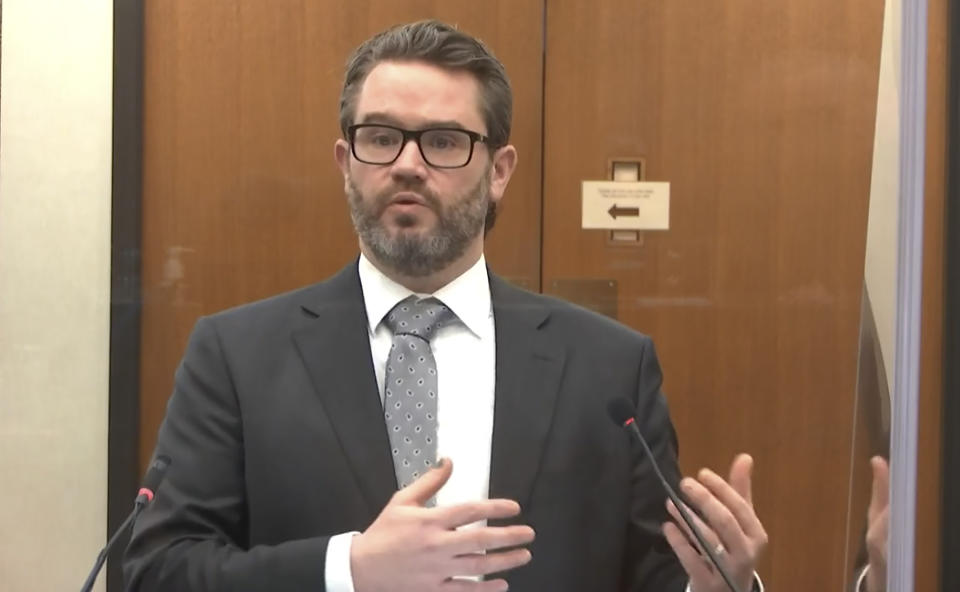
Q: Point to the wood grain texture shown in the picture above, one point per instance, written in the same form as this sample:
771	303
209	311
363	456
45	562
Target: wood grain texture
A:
931	389
761	115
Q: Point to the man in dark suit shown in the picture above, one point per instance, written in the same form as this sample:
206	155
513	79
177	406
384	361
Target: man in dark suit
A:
415	422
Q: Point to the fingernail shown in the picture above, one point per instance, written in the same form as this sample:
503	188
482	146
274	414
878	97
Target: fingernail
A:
440	463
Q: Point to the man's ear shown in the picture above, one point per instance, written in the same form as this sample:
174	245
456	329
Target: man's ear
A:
341	154
504	161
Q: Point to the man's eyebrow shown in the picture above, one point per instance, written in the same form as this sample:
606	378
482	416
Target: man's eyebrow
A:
389	120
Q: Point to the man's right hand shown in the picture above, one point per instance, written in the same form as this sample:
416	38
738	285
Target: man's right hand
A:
412	547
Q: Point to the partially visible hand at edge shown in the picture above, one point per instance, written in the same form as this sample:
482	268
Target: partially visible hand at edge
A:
878	526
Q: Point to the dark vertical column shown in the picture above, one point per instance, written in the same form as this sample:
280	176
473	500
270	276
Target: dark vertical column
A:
124	415
950	549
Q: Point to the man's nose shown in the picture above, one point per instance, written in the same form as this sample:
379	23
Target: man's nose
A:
410	162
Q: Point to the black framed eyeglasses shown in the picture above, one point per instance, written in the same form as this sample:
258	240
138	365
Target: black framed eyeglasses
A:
440	147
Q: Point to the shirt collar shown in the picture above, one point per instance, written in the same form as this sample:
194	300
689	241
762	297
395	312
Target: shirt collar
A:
468	296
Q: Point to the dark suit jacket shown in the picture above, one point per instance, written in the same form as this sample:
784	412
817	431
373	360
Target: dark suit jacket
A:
277	437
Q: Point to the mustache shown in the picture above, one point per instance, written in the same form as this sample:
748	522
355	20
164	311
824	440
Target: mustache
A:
383	199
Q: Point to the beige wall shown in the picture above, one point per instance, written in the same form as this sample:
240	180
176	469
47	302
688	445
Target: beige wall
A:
880	271
55	157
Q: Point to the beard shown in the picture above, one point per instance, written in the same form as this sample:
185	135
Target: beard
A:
419	253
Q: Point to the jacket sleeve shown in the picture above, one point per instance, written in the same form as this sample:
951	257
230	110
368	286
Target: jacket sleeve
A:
652	565
194	535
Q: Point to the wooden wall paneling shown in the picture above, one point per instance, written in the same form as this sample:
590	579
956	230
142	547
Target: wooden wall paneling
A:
761	116
241	196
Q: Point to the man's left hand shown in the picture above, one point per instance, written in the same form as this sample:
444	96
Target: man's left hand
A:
730	526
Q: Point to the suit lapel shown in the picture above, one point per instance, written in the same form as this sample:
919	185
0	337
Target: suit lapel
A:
528	374
335	349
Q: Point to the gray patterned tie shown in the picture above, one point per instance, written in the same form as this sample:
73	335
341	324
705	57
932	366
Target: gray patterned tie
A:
410	386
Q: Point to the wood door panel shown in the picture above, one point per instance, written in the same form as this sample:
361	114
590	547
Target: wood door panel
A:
241	196
761	116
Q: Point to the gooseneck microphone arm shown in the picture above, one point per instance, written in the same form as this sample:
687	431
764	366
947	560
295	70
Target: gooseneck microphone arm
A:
155	475
622	412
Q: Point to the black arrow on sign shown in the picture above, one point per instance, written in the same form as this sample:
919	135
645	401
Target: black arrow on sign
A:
614	211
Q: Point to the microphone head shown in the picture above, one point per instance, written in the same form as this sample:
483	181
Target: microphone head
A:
156	472
621	411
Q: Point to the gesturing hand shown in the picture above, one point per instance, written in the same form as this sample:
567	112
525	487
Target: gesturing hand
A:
878	526
732	528
410	547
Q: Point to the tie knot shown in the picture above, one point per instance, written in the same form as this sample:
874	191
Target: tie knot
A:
422	318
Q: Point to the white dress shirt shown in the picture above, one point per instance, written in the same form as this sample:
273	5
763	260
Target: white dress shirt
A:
465	352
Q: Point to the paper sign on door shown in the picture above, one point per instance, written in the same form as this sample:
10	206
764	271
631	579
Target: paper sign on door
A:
642	205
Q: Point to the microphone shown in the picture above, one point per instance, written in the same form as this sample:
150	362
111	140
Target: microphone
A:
155	474
622	413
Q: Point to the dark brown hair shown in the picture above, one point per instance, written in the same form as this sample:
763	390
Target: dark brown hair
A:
444	46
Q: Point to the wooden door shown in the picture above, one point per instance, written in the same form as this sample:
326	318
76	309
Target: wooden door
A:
241	196
761	116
